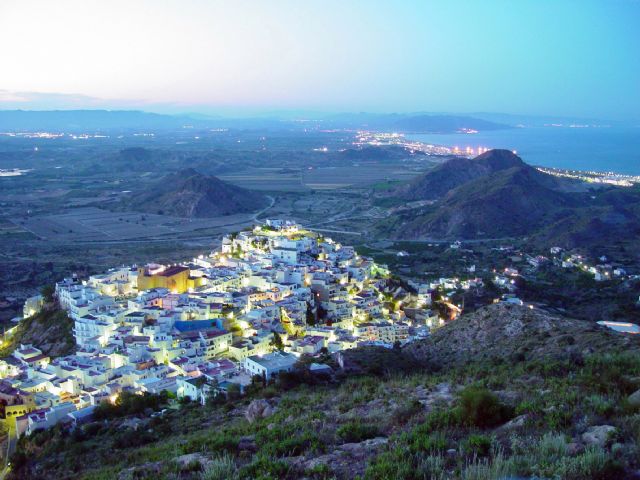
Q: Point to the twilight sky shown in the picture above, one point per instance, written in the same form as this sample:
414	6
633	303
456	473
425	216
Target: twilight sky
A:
572	57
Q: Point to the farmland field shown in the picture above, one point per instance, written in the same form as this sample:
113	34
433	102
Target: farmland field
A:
94	224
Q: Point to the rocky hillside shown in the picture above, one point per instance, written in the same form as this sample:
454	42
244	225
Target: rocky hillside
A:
188	193
455	172
523	395
513	202
50	331
514	333
497	195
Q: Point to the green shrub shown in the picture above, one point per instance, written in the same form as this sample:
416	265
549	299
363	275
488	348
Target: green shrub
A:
264	468
220	468
432	467
356	431
211	442
406	410
390	465
600	404
293	438
321	471
481	408
497	468
479	445
421	439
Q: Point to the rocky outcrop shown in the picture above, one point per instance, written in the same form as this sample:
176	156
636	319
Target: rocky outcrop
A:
634	399
346	461
513	333
598	435
258	409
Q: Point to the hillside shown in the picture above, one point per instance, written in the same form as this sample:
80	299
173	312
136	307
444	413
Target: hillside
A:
455	172
188	193
515	333
512	202
521	395
49	330
497	195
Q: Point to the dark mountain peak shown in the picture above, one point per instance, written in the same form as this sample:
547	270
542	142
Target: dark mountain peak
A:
188	172
189	193
453	173
499	159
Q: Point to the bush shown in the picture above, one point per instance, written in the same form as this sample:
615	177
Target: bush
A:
406	410
421	440
396	463
264	468
288	439
479	445
356	431
220	468
129	404
481	408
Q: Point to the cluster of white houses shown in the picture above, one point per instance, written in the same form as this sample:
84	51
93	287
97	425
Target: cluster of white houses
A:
199	327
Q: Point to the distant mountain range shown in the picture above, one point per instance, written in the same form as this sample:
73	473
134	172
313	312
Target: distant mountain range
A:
86	120
412	123
497	195
188	193
107	120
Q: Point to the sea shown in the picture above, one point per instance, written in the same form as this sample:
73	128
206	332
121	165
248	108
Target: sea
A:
602	149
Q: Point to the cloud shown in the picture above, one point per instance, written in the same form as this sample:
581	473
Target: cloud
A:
10	100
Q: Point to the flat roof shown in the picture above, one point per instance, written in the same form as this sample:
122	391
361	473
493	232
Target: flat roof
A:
169	272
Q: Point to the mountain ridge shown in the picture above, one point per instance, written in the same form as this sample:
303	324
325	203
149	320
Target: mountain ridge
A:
497	195
188	193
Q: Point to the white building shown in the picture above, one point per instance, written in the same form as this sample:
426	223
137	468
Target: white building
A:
269	365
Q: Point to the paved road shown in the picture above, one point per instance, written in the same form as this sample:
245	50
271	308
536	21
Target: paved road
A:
345	232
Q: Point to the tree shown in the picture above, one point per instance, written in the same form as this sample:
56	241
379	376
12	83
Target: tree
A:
233	392
311	317
276	342
47	293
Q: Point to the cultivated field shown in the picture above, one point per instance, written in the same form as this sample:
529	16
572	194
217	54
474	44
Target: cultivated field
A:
319	178
94	225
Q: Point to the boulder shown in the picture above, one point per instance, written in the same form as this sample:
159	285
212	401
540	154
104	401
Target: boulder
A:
634	399
365	446
188	459
598	435
574	448
258	409
346	461
515	423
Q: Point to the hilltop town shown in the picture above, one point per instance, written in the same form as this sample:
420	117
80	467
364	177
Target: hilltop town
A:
270	295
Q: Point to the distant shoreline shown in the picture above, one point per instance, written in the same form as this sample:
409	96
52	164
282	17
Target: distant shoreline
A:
602	150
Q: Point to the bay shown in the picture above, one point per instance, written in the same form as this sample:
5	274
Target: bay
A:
602	149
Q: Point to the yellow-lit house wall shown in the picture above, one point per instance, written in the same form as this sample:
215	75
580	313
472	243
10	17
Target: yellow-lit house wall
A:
11	412
195	282
176	279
